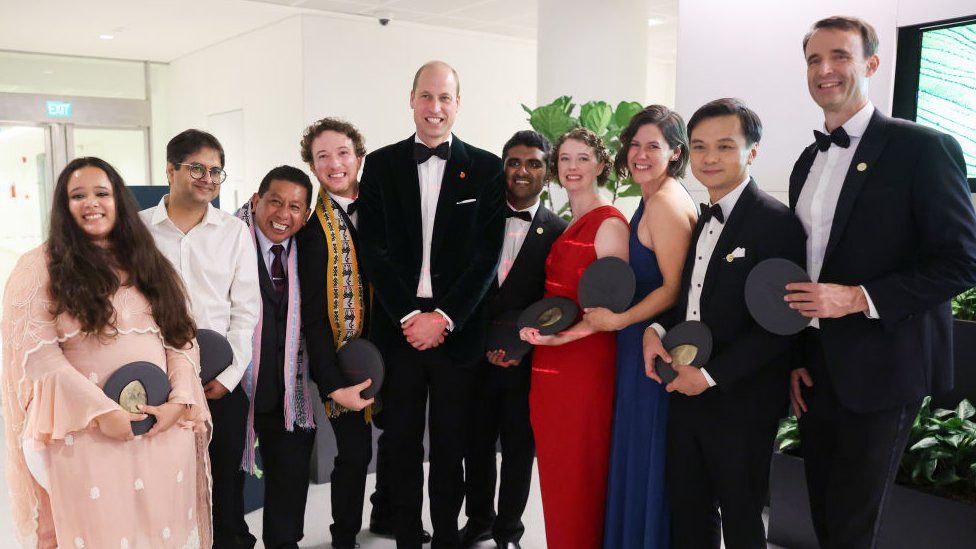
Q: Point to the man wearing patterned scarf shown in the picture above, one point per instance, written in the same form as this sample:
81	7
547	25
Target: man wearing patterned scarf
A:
335	299
276	381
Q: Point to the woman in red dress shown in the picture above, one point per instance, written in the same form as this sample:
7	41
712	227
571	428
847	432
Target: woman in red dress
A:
571	399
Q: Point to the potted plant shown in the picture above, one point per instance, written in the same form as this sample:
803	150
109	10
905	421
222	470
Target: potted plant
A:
933	503
558	117
963	349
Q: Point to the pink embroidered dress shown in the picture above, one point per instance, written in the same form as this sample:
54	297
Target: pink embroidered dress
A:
100	493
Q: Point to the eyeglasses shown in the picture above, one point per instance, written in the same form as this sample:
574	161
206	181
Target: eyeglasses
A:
197	171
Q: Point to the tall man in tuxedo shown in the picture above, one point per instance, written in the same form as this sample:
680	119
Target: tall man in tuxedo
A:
500	403
278	381
891	238
723	417
432	222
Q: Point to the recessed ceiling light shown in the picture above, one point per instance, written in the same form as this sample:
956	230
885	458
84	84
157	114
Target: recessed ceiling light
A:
654	21
106	36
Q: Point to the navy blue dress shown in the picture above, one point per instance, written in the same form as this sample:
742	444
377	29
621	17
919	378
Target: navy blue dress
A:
637	506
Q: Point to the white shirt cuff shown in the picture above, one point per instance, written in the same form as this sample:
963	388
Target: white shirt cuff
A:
450	323
659	329
708	378
409	315
872	311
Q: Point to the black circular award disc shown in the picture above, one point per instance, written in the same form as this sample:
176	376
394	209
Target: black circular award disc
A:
608	282
764	292
690	343
550	315
503	334
154	386
360	360
215	354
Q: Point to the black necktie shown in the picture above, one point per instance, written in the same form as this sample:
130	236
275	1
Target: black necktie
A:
278	271
422	153
838	137
708	212
524	216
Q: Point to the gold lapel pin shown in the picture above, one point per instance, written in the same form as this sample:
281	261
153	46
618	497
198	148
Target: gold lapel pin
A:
539	230
729	258
862	166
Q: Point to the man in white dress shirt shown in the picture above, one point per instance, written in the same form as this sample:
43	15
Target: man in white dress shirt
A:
213	252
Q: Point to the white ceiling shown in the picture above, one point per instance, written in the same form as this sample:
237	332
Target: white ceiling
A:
163	30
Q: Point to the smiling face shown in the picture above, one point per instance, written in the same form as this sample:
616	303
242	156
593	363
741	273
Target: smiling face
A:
525	170
577	165
649	154
837	72
435	102
184	188
282	210
335	164
720	155
91	202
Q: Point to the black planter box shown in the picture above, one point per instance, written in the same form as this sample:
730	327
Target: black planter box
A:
964	365
912	519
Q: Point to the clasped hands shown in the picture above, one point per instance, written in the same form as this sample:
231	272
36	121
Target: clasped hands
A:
690	381
425	330
117	424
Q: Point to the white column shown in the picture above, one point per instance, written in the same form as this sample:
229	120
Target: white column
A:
592	50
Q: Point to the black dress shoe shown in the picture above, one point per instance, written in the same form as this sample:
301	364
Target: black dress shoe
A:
384	530
472	534
509	545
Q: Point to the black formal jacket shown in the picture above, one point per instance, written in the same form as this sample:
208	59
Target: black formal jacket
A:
526	280
904	228
467	236
745	357
320	351
269	394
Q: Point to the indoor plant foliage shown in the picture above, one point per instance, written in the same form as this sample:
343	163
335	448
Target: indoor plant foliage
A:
941	453
964	305
558	117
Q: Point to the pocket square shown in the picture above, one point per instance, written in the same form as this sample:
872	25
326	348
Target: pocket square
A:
468	201
736	253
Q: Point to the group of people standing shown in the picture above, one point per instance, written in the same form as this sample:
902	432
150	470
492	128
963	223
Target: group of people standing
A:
438	239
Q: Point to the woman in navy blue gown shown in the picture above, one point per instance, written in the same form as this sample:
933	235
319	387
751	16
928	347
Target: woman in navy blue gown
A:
654	151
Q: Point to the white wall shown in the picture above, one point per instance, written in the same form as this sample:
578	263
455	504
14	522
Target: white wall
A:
259	73
752	50
361	71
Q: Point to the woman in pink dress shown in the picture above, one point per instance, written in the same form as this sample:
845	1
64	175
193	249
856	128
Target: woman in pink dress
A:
96	296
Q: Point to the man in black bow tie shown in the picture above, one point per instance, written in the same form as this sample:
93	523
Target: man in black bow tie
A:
432	222
891	238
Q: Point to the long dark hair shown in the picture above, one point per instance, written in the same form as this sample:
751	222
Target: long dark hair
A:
84	277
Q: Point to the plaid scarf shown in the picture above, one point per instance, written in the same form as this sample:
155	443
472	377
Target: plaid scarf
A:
298	400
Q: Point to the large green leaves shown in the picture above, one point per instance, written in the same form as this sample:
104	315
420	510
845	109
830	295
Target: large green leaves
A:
596	116
552	121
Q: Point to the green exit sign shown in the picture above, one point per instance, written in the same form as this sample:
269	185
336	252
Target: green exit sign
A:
59	109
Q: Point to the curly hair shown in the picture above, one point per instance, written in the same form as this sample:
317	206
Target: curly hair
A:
672	127
84	276
334	125
589	139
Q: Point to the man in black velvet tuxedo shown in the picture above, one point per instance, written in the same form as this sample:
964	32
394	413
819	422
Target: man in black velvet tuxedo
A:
432	222
500	403
891	238
282	408
723	417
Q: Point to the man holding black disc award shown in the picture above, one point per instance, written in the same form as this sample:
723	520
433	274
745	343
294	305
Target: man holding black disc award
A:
500	400
724	415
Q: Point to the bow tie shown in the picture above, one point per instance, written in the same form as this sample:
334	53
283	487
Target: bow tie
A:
708	212
422	153
524	216
838	137
352	207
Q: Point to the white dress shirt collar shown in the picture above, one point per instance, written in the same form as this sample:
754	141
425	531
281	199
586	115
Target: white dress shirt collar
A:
450	141
161	213
342	201
531	209
728	201
857	124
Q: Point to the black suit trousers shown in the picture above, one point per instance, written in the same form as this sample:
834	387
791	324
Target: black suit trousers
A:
226	449
354	445
286	459
719	447
499	409
411	377
850	458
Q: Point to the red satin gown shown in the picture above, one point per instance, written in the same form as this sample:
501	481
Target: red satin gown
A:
571	403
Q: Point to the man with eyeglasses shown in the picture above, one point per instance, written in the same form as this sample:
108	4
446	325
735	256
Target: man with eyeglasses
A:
213	252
